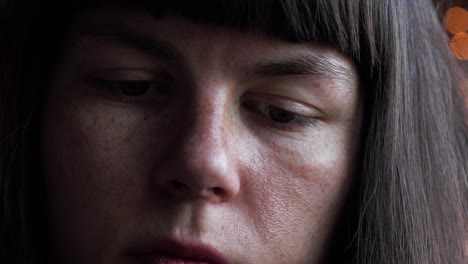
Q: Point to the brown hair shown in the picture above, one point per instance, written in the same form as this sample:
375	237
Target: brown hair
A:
409	203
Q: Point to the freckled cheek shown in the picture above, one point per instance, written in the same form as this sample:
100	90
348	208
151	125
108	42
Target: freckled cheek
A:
91	136
297	194
94	156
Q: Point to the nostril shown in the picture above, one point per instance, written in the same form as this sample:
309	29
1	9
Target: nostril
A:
180	188
217	191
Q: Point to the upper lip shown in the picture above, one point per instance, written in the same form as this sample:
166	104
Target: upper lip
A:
183	249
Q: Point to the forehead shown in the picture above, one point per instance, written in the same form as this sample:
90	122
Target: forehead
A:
182	40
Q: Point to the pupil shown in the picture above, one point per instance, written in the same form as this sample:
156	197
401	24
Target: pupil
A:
280	115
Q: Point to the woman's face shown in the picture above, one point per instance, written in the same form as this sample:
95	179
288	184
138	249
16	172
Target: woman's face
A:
168	141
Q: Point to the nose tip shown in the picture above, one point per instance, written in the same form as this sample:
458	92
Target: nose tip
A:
205	171
210	174
202	182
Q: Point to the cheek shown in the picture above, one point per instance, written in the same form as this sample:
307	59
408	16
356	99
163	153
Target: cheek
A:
90	137
295	192
89	173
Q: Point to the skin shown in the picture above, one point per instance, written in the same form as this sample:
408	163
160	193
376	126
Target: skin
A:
198	160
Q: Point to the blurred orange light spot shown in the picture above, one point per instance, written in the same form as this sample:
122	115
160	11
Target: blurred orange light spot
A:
459	46
456	20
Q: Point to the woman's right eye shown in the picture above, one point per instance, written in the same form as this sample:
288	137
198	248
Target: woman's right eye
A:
132	85
134	88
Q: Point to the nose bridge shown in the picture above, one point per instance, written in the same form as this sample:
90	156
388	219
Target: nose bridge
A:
210	106
206	147
208	129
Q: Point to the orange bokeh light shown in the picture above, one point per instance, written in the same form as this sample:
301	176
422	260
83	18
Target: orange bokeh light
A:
456	22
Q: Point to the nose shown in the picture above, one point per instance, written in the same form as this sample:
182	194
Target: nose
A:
201	163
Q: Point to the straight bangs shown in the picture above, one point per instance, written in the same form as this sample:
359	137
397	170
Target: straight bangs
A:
341	24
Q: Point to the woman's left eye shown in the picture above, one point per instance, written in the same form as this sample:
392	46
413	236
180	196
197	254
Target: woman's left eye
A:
278	115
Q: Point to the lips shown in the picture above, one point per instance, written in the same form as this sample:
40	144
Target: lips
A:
176	252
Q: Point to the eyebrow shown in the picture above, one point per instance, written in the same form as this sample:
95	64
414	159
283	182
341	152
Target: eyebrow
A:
305	63
134	40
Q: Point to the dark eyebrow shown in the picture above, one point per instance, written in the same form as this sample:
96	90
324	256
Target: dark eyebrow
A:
121	34
313	64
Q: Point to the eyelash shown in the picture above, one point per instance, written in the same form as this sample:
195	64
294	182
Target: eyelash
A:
132	91
141	87
268	109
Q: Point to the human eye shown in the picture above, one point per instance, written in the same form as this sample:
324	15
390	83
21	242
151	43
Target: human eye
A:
281	113
132	86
